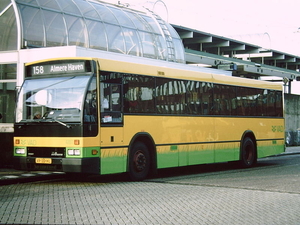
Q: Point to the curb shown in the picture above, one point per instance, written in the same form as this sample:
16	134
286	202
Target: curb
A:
288	153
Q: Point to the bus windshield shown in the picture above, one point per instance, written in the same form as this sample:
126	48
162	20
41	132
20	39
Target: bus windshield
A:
56	98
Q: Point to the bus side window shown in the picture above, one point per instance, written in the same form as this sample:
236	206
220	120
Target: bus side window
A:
139	94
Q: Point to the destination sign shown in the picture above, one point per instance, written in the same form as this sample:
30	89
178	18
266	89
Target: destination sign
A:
59	67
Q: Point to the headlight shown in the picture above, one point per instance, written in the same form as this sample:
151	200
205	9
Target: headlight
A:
20	151
73	151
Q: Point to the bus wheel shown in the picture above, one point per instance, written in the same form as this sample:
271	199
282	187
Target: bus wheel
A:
248	153
139	162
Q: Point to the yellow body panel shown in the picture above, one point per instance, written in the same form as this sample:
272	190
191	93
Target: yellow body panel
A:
172	129
196	140
56	141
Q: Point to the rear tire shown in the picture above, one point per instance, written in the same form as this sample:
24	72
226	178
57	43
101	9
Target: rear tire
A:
139	162
248	157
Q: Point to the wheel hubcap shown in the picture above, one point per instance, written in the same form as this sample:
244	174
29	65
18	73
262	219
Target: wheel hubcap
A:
139	160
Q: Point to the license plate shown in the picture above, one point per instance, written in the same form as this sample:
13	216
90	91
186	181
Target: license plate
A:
43	160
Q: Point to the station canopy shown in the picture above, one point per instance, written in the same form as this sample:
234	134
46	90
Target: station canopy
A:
90	24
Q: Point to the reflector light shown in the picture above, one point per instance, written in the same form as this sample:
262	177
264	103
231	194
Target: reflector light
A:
94	152
76	142
17	141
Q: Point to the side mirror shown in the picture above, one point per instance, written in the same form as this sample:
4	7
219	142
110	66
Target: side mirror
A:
0	116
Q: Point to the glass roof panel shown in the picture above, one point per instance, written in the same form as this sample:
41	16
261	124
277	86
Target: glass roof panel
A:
51	4
56	32
31	2
8	27
76	30
115	39
105	14
69	7
179	50
33	27
4	4
172	31
162	48
97	35
95	25
139	23
148	44
152	24
132	42
87	9
122	17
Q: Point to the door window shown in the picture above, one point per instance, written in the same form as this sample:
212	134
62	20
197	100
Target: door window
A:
111	103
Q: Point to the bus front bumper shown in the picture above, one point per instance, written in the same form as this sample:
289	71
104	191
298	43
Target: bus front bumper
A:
68	165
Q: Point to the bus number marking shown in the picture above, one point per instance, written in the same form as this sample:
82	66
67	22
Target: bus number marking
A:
38	70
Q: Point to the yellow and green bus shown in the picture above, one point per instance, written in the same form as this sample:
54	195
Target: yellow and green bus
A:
106	116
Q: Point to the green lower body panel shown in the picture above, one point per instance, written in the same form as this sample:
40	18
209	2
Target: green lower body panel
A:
268	150
184	155
227	154
113	160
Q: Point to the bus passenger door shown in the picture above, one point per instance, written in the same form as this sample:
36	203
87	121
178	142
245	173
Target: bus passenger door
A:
113	158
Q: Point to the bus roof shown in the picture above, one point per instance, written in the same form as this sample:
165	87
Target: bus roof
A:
144	66
182	71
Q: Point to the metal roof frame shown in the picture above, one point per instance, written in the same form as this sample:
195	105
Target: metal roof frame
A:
252	60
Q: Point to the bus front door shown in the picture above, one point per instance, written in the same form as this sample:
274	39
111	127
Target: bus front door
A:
113	157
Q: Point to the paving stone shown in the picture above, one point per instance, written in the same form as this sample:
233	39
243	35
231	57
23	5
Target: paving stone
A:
144	203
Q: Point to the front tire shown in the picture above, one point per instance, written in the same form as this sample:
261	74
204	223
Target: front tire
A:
248	157
139	162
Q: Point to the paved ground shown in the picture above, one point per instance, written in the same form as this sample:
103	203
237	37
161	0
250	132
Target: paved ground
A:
93	203
189	199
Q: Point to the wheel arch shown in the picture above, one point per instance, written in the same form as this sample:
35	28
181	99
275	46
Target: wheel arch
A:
250	134
147	139
246	158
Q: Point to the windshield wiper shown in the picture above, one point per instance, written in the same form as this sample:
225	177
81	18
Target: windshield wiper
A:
45	120
61	123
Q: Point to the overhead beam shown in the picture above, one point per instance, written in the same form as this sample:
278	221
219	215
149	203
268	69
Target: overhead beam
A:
198	40
186	34
287	60
234	47
254	55
277	56
216	44
266	71
247	51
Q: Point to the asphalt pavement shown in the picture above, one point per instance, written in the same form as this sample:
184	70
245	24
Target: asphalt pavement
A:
12	176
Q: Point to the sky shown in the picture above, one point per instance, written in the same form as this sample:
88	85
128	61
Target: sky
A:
271	24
